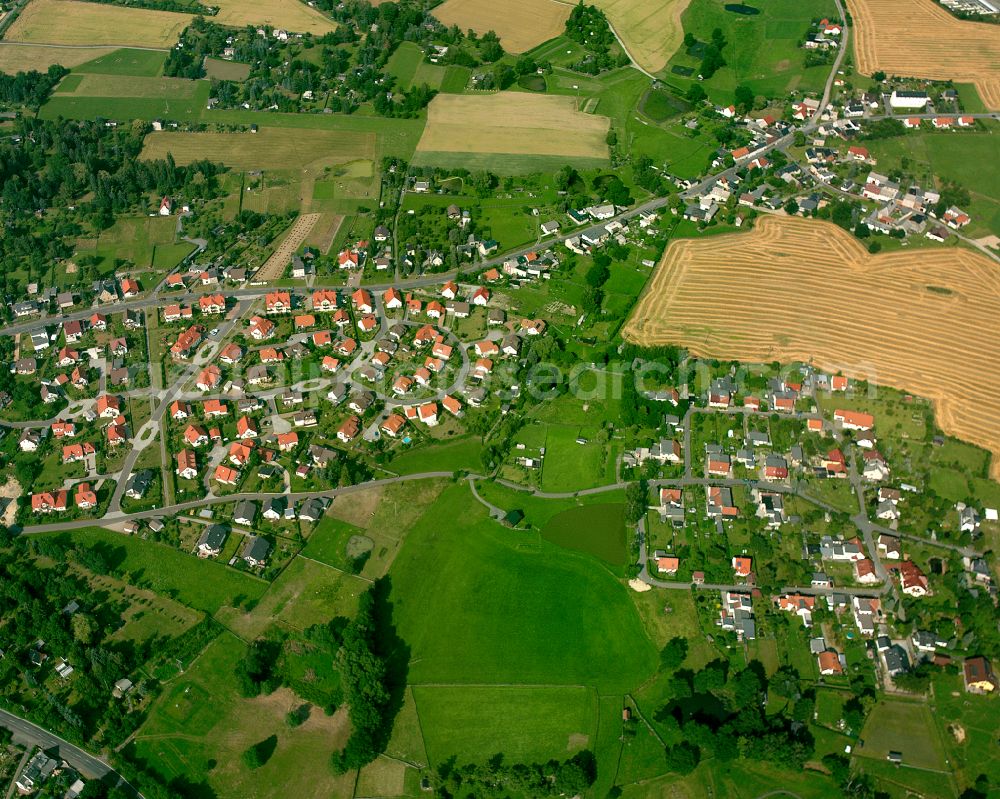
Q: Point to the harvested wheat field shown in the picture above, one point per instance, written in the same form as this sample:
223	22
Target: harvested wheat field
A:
926	41
73	22
801	290
289	15
269	148
652	32
513	123
520	24
16	57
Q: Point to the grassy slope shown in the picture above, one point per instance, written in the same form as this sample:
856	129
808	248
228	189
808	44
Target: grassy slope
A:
519	610
200	584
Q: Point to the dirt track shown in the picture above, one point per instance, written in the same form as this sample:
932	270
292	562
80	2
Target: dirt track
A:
795	289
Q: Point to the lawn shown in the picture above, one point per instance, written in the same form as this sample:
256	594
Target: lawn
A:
907	727
570	466
528	724
461	454
200	726
518	608
200	584
598	530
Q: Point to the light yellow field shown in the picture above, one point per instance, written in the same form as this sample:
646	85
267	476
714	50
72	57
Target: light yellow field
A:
73	22
26	57
269	148
927	42
796	289
513	123
651	31
289	15
520	24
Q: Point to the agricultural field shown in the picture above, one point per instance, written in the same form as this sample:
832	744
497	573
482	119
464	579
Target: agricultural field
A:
928	43
520	24
652	32
290	15
819	297
511	124
125	61
762	50
269	148
72	22
16	57
96	85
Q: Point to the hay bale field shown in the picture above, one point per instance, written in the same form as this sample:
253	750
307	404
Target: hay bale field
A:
72	22
513	123
16	57
290	15
269	148
927	42
652	32
800	290
520	24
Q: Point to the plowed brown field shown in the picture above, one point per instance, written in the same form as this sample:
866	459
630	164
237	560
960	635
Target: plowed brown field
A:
923	40
795	289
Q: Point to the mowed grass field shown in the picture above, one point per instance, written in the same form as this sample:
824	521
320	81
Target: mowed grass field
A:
927	43
290	15
480	604
520	24
795	289
512	124
16	57
652	32
269	148
100	85
74	22
528	724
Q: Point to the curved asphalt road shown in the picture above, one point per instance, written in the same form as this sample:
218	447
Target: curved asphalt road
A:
84	762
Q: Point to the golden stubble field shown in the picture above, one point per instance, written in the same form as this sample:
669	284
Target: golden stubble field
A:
15	57
289	15
513	123
651	31
923	321
520	24
925	41
70	22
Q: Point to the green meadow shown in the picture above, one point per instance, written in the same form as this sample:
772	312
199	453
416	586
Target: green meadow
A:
519	609
528	724
762	49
